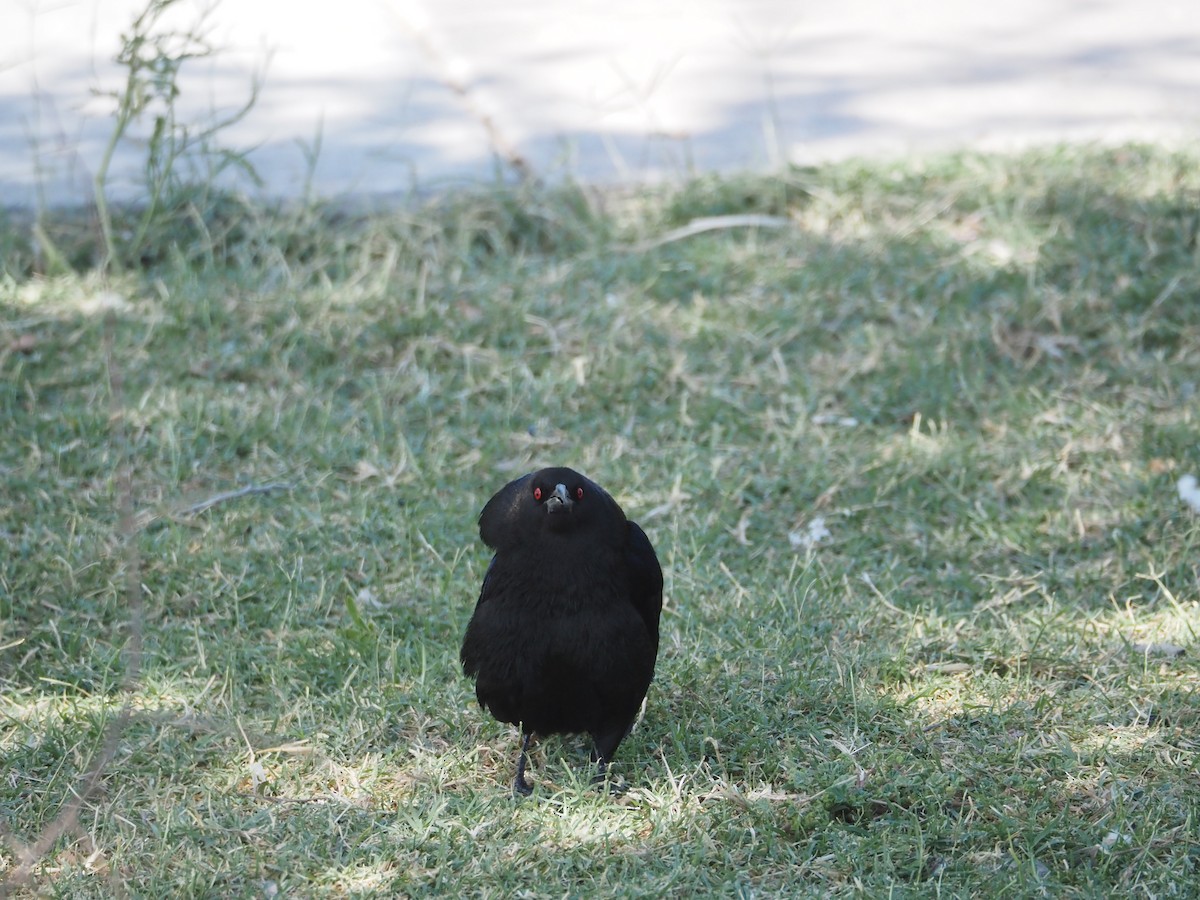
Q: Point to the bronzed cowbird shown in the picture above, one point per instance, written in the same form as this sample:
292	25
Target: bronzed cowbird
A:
564	635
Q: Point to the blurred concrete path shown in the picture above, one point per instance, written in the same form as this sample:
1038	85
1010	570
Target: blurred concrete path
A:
389	94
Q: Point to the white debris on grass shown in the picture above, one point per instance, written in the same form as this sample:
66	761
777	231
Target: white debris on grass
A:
831	419
103	301
1113	838
1159	649
808	537
1189	493
367	597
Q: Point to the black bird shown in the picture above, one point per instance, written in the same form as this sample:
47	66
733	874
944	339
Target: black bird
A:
565	633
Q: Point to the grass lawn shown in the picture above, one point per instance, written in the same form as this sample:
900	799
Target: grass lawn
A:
910	465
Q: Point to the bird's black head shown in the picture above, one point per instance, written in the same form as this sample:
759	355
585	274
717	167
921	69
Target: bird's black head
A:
558	492
556	500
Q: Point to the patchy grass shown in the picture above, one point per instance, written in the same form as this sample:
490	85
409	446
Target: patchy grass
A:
978	374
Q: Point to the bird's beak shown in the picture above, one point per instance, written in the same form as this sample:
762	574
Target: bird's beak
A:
559	501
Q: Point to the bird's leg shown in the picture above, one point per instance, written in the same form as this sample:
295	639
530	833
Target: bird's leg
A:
520	785
604	745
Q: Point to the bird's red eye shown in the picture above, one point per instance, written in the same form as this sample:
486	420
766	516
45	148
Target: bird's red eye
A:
578	493
537	493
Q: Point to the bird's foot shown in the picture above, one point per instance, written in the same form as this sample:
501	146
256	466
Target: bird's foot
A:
603	779
613	788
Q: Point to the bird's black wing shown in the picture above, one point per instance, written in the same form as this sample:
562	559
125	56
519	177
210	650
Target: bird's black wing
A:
483	589
474	652
645	579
